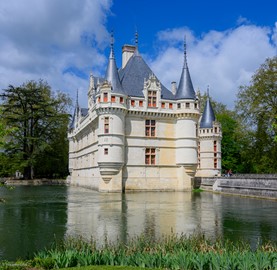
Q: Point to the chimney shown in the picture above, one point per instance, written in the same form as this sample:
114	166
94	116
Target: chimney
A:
173	88
127	52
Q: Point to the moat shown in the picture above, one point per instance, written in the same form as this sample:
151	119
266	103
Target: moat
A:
33	217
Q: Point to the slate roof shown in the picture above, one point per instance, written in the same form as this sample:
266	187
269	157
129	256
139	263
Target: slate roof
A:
132	77
84	112
185	88
208	115
112	75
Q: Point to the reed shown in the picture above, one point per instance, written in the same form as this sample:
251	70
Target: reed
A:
167	252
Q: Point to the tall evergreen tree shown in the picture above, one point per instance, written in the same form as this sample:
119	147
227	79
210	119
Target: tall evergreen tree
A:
35	114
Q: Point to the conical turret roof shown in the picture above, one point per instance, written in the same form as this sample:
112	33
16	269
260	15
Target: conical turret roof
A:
112	74
208	116
185	88
76	112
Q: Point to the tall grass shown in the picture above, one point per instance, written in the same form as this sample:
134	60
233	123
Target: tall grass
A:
168	252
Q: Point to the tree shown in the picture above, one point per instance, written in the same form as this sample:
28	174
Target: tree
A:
257	107
35	114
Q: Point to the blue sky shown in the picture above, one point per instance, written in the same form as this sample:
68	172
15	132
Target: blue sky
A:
62	41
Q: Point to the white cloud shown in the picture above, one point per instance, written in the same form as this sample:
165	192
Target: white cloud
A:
44	38
224	60
57	40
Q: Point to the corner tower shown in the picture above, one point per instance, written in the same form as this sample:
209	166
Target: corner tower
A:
111	110
209	146
186	127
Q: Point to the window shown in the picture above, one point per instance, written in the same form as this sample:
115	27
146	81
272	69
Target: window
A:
215	163
150	156
215	148
105	97
179	105
170	105
113	99
98	99
150	128
121	100
215	129
106	151
187	105
132	103
141	103
195	105
152	98
163	105
106	125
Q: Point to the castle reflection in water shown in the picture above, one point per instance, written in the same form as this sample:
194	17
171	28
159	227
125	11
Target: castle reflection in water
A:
119	216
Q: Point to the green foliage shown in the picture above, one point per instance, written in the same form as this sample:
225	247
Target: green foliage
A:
257	107
168	252
34	121
19	265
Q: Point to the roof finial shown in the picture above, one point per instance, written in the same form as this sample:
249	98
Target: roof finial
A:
208	91
112	43
77	100
136	38
185	50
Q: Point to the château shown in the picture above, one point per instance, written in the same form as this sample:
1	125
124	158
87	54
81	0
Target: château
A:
137	135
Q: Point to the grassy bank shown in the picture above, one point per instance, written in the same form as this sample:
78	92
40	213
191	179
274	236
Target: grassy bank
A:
168	252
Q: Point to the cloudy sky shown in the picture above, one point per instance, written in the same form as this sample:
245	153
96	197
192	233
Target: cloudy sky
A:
62	41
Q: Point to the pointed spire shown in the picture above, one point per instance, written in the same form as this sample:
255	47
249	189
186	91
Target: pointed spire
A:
76	111
208	116
136	53
136	38
185	88
77	99
185	52
112	45
112	72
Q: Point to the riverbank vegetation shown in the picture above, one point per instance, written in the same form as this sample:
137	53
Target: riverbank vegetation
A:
167	252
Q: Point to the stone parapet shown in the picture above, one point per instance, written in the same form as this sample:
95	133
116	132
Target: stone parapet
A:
254	185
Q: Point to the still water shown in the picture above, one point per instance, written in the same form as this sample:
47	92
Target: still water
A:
33	217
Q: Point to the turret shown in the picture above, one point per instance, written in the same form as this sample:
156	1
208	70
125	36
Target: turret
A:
186	125
111	108
209	146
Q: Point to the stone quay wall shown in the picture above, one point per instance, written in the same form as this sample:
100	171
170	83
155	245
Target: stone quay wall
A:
34	182
253	185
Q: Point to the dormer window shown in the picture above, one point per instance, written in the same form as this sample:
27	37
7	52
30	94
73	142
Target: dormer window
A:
152	98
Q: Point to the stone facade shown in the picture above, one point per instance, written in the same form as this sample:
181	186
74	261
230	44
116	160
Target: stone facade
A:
138	135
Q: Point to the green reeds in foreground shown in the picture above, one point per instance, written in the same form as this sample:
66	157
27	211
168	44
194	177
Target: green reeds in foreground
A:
167	252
